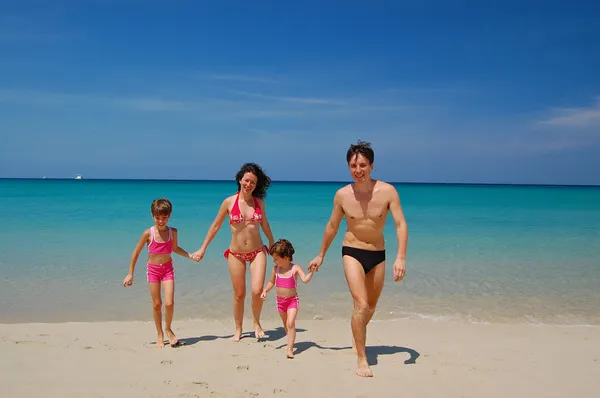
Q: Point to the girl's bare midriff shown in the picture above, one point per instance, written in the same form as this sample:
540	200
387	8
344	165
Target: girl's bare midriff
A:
159	258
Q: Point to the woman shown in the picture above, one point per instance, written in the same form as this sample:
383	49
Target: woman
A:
247	212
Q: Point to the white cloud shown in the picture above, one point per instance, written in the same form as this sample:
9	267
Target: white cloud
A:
575	117
300	100
256	106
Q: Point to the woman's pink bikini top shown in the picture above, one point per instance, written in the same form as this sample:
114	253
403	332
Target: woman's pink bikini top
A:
236	216
287	282
160	247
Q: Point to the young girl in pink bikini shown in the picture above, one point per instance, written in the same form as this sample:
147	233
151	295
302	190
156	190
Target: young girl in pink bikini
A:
161	241
247	215
283	278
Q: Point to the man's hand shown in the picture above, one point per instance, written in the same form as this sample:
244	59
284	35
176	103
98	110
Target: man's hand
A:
399	269
314	265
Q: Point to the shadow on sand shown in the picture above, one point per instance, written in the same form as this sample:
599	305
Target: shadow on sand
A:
277	333
270	335
302	346
194	340
374	352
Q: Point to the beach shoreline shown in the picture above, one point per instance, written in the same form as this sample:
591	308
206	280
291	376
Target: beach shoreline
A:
408	357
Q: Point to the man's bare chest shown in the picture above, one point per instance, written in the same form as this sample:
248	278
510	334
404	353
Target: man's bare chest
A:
372	209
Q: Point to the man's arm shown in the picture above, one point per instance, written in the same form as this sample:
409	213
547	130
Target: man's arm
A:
331	229
401	232
400	222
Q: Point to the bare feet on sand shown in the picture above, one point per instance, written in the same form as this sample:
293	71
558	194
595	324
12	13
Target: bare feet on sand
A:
237	336
290	353
259	333
160	340
172	338
363	369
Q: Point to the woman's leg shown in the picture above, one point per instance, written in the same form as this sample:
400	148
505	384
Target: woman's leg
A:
237	271
258	268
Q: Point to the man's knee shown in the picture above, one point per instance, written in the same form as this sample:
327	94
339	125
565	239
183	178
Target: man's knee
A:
372	306
361	307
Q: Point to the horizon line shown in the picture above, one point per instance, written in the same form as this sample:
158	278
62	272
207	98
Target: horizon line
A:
304	181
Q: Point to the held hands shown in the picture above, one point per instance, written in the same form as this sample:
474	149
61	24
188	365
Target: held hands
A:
314	265
199	255
399	269
128	281
192	256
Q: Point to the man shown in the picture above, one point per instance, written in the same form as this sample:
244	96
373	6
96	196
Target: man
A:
365	204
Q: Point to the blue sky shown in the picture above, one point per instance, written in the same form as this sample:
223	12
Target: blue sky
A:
446	91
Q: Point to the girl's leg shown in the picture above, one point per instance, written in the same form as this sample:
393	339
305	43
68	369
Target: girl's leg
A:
283	316
291	331
237	271
169	287
258	268
157	313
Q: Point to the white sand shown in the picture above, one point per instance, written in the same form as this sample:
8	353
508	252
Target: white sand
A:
409	359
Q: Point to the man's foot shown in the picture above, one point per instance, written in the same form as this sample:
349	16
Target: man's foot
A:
290	354
259	333
363	369
160	340
172	338
237	336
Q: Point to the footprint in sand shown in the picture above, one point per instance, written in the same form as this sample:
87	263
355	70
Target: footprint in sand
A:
243	367
251	393
201	383
279	391
88	347
166	362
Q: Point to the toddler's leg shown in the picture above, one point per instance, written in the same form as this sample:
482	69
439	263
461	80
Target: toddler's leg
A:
169	286
157	313
291	331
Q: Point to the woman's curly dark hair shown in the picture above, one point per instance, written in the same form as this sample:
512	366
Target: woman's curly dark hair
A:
263	181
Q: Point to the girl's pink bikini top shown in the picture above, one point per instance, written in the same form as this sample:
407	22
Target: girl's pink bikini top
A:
160	247
287	282
236	216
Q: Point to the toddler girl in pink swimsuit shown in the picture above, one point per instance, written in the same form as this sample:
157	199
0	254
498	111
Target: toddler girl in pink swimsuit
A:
283	278
161	241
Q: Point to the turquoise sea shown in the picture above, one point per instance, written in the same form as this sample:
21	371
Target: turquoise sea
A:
477	253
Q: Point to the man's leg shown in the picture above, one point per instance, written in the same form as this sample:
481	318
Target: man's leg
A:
355	276
374	281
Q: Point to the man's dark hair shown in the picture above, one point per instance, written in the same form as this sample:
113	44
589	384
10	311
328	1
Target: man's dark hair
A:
361	148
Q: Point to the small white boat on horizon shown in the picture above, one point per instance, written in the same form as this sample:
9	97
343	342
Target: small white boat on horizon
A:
78	177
